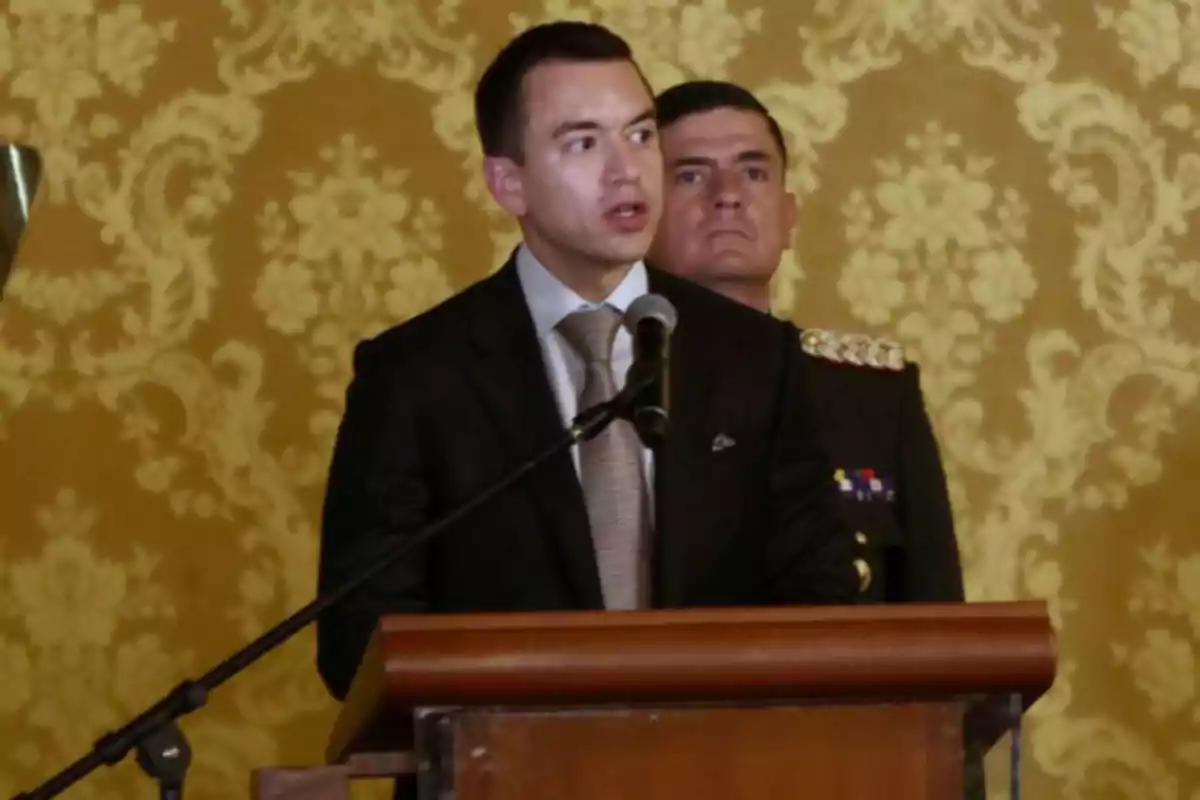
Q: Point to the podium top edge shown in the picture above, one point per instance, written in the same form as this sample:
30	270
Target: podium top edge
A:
1022	610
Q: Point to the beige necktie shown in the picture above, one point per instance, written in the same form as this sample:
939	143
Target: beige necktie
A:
610	466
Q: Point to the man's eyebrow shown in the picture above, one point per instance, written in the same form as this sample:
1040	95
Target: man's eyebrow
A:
753	155
693	161
646	115
745	156
572	126
576	125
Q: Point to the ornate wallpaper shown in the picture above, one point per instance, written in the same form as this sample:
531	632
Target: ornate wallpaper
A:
237	191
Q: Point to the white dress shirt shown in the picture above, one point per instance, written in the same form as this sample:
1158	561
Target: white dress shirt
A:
550	301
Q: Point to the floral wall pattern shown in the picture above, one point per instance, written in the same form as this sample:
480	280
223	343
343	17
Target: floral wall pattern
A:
236	192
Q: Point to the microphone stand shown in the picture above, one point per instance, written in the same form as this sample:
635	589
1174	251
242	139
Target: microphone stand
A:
163	752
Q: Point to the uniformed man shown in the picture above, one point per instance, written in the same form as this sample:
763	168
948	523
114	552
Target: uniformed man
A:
727	219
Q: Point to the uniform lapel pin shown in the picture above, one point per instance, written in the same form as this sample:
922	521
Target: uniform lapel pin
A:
722	442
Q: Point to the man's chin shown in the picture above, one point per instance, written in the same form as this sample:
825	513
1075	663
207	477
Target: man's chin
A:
738	268
730	258
625	254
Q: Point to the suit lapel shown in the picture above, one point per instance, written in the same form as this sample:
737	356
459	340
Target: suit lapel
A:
679	512
508	371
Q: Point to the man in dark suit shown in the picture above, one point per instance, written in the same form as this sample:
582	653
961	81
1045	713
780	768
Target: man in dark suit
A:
727	219
735	508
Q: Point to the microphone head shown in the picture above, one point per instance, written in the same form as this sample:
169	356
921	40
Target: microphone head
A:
20	174
651	306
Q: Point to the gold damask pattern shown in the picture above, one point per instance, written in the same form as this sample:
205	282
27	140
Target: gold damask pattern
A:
236	192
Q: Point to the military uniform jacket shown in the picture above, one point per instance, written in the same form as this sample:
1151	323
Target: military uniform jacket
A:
891	484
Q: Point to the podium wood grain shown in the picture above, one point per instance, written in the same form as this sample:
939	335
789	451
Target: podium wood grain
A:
901	752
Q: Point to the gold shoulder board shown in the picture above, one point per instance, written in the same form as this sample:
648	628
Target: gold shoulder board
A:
853	348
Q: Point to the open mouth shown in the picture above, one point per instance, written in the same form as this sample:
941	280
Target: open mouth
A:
630	217
627	210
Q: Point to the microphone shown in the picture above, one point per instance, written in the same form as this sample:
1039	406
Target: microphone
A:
20	174
650	319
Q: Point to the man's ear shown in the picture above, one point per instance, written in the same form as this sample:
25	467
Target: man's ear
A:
789	215
504	179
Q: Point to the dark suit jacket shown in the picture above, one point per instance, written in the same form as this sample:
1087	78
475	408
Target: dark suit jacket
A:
872	422
442	406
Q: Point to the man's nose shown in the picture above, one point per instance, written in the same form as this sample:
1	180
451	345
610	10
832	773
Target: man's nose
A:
727	191
623	163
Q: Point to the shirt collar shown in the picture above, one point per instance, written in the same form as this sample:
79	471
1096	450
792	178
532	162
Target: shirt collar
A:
550	300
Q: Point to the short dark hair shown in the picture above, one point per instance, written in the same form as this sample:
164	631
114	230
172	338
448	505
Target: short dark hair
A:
498	102
696	97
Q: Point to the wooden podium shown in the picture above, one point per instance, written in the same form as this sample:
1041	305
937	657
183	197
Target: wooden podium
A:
826	703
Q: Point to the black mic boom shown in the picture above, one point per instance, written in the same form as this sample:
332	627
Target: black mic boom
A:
651	319
162	750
